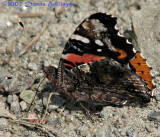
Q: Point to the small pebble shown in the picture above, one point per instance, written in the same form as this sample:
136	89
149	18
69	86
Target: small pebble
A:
128	132
149	128
14	103
159	129
154	116
23	105
5	134
157	97
3	123
33	66
9	23
55	102
135	134
66	111
9	99
27	96
123	132
53	121
116	133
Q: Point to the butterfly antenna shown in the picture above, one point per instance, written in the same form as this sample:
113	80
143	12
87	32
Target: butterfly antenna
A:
21	24
36	38
31	39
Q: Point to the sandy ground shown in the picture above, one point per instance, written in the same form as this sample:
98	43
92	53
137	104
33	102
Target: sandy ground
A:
54	25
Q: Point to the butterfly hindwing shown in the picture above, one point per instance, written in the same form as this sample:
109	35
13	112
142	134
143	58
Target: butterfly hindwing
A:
108	84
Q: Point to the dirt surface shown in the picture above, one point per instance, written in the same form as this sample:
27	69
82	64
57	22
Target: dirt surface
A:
51	27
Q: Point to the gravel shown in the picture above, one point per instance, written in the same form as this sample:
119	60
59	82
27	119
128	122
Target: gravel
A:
65	118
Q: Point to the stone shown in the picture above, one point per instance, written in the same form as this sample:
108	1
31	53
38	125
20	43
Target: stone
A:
13	100
146	34
129	132
52	121
116	133
157	97
158	129
55	102
135	133
9	99
154	116
3	123
33	66
5	134
104	131
149	128
27	96
5	112
23	105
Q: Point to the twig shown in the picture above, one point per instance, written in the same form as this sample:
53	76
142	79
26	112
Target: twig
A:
17	88
33	125
49	98
35	39
44	128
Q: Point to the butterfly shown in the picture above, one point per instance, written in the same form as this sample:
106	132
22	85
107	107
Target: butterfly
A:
99	66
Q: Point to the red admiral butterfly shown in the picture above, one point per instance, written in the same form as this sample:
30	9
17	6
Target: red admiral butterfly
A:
99	66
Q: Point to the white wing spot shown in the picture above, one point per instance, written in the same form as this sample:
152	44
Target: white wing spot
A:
74	47
98	42
80	38
120	35
116	27
99	50
128	42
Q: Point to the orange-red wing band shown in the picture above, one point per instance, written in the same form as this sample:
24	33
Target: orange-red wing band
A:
86	58
123	54
143	70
